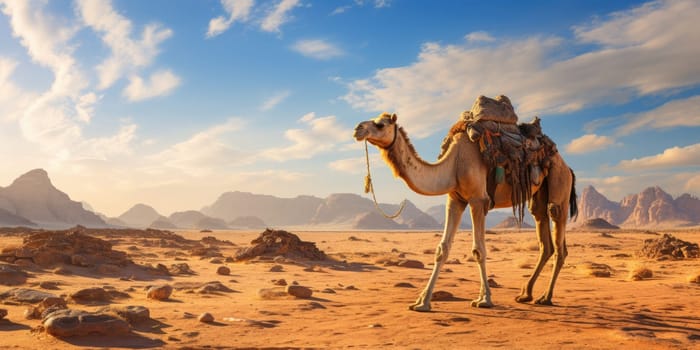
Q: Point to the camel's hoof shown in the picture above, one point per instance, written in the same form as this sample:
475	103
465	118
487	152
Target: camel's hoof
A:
544	301
485	304
419	307
523	298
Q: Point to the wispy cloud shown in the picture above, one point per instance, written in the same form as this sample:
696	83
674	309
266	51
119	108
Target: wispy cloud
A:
685	112
355	165
158	84
274	100
589	143
649	54
320	135
317	49
670	158
127	54
237	10
278	16
475	37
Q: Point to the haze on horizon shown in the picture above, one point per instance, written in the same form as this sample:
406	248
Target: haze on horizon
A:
124	102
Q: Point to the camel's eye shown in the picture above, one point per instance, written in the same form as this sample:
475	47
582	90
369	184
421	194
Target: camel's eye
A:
378	125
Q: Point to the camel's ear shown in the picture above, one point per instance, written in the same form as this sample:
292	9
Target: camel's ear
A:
393	118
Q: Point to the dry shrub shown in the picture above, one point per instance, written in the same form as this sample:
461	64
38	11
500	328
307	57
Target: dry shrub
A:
640	272
528	246
597	270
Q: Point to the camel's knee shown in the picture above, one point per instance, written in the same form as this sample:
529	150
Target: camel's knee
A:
481	203
441	252
554	210
479	255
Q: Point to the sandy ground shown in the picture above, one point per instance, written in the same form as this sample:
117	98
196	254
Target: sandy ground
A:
367	310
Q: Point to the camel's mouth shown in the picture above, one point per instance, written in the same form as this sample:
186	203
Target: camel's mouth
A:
360	133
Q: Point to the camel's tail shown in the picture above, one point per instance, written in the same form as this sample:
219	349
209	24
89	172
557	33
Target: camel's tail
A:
573	201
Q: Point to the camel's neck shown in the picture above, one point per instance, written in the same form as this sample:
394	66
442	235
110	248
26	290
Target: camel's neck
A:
422	177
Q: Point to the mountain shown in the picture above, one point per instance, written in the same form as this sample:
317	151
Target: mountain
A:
33	197
493	218
192	219
372	220
651	207
252	222
140	215
510	223
162	223
8	219
272	210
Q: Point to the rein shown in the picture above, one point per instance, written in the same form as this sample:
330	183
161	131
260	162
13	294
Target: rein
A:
370	188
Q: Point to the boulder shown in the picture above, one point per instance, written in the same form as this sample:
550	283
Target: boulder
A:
131	313
3	313
68	323
299	291
161	292
278	242
90	295
206	318
11	275
25	295
223	270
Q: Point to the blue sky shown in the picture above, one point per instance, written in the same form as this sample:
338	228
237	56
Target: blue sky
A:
171	103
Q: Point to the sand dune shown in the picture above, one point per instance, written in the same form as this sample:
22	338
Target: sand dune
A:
360	301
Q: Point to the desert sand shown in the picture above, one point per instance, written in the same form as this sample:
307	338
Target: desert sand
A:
359	301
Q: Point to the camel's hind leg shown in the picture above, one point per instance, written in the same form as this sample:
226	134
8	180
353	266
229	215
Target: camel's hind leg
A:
538	208
478	208
453	215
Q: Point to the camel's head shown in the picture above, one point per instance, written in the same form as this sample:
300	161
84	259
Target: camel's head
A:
380	131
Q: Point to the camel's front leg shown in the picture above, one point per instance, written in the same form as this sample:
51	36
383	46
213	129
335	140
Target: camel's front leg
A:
478	208
453	215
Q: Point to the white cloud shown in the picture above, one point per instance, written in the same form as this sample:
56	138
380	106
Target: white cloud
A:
205	151
480	36
589	143
237	10
12	99
651	55
355	165
321	135
278	16
159	84
274	100
116	30
672	114
670	158
317	49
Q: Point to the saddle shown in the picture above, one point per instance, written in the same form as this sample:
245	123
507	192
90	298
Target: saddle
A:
519	154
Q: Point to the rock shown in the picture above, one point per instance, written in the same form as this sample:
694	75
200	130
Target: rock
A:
453	261
50	248
404	285
160	292
278	242
328	291
215	261
213	287
11	275
83	323
223	270
49	285
276	268
25	295
46	306
280	282
414	264
181	269
669	247
3	313
299	291
131	313
89	295
206	318
492	283
442	295
272	293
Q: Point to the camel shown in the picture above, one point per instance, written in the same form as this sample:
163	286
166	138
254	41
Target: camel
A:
461	174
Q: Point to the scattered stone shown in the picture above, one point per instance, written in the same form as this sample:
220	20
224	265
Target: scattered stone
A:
213	288
351	287
206	318
25	295
314	268
280	259
328	291
180	269
272	293
62	270
311	306
81	323
11	275
46	306
280	282
3	313
669	247
404	285
413	264
279	242
162	292
453	261
375	325
492	283
598	270
641	273
299	291
131	313
89	295
223	270
442	295
52	285
216	261
429	251
276	268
